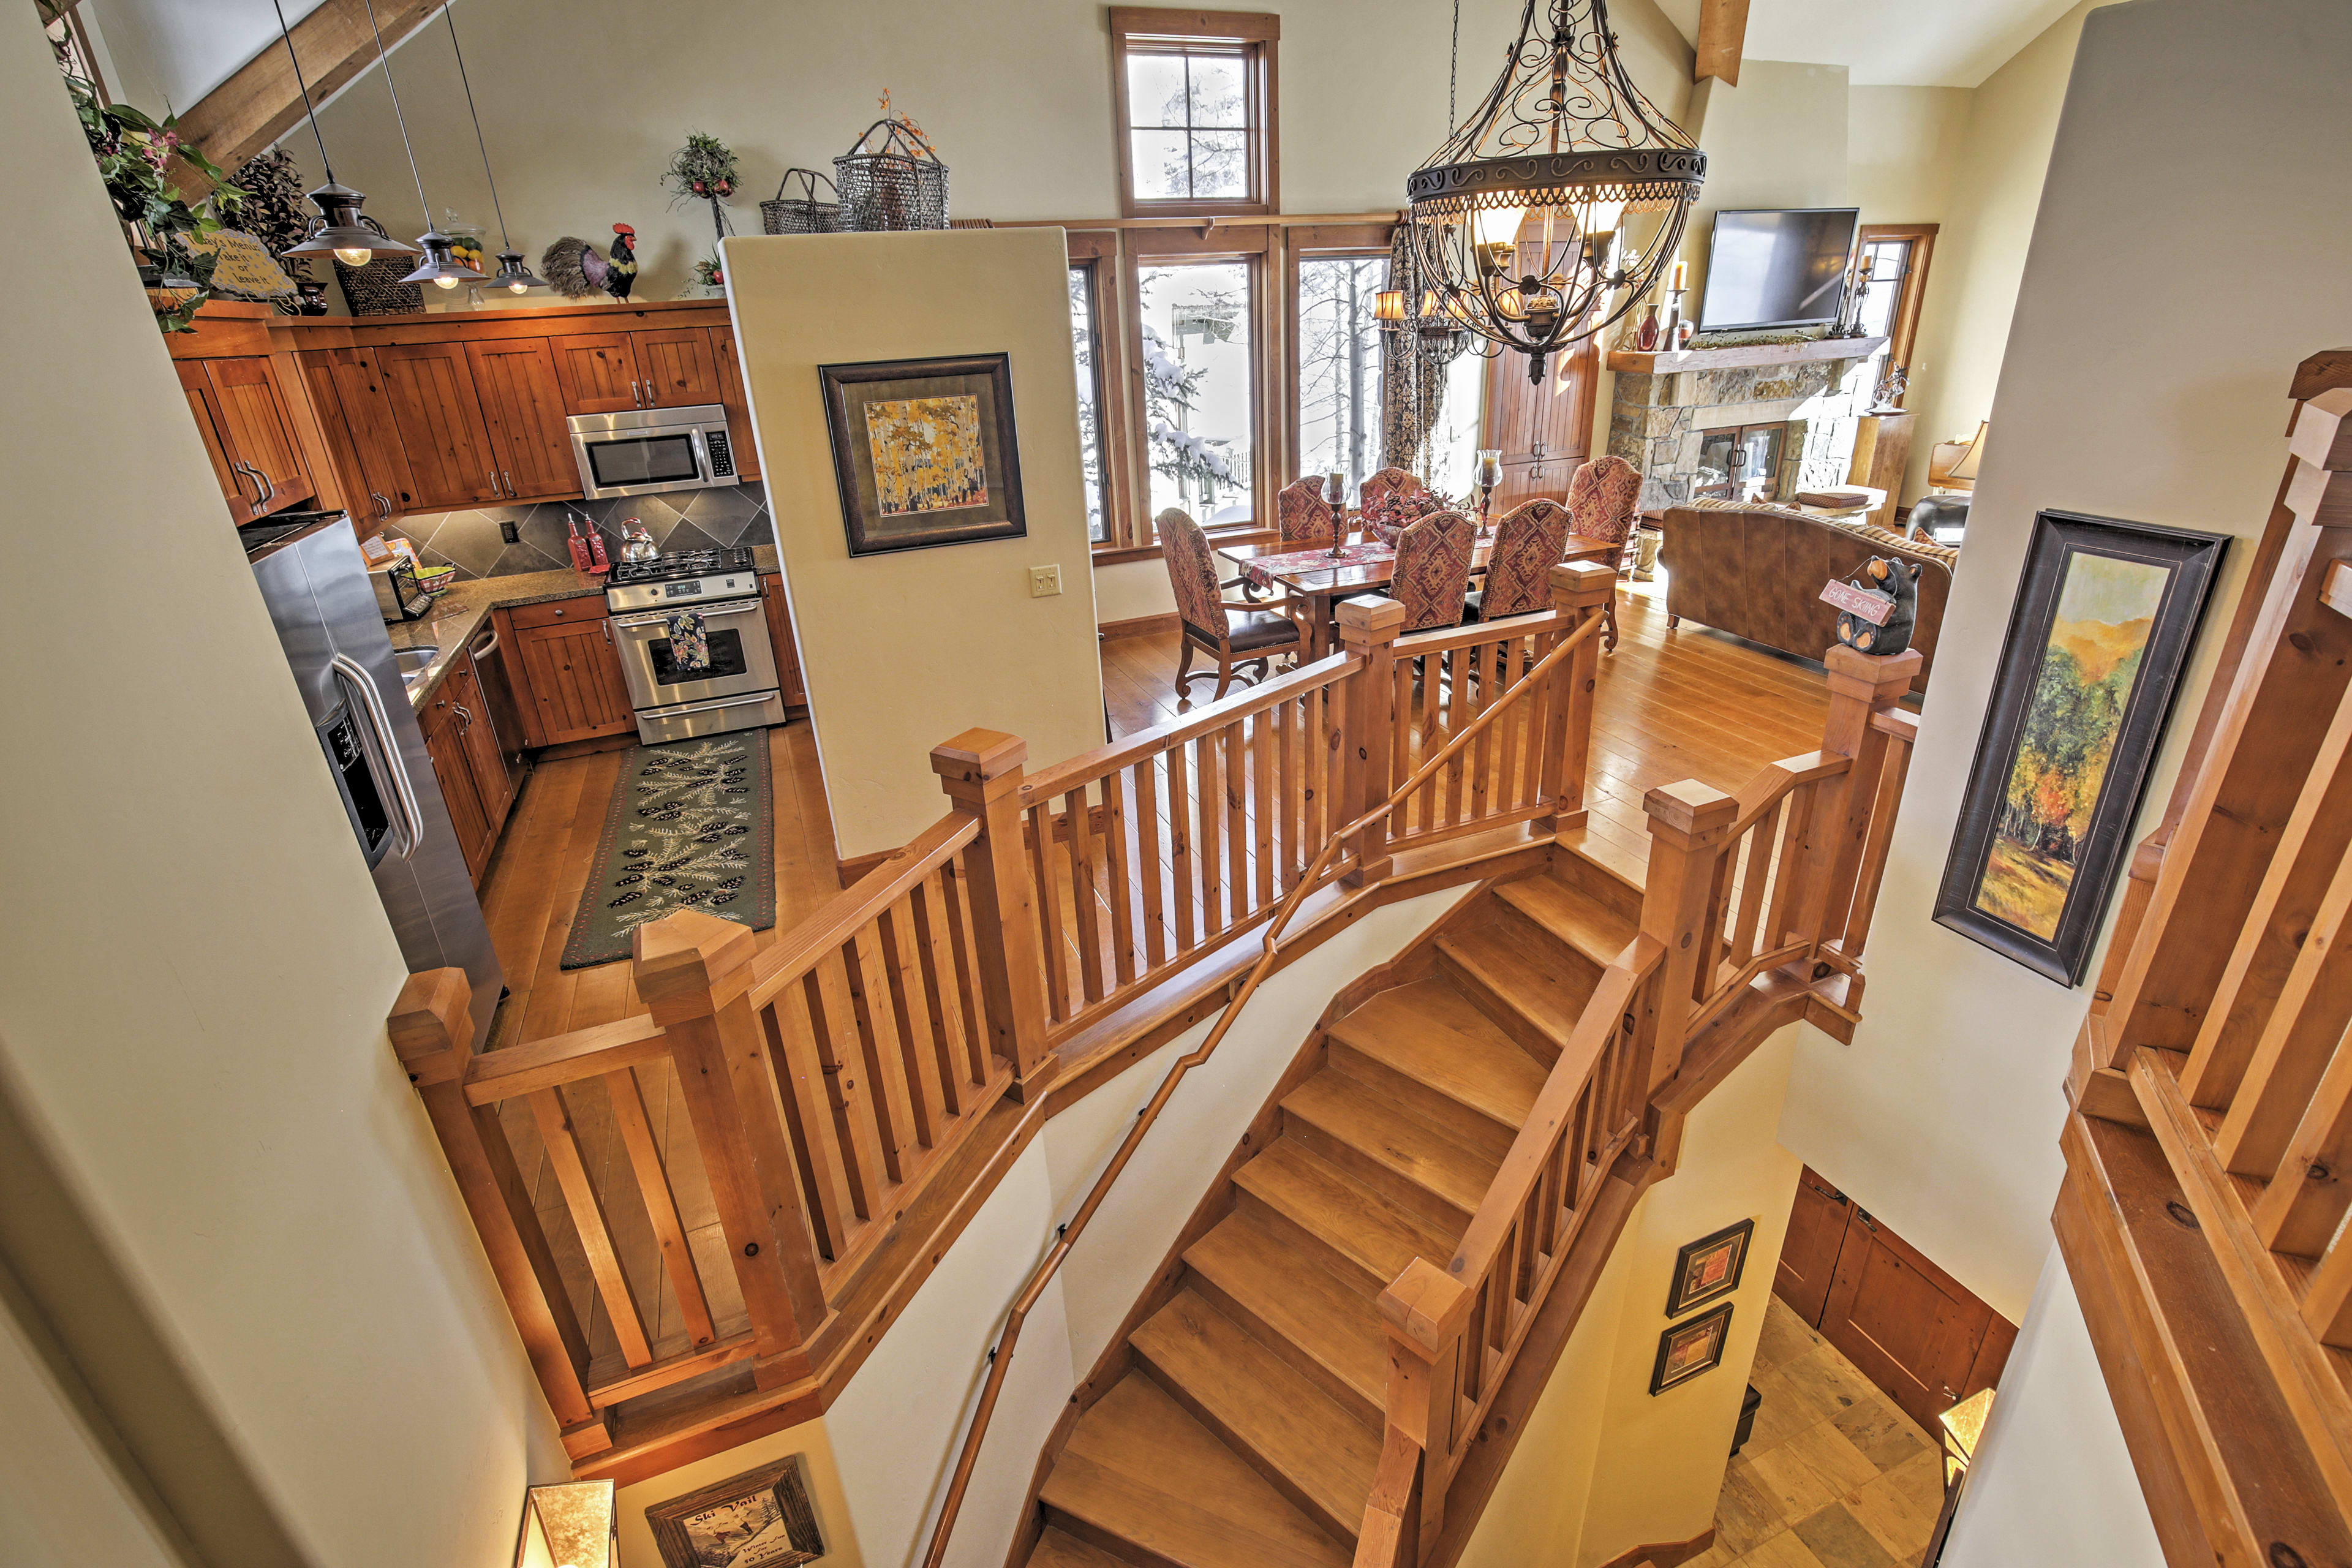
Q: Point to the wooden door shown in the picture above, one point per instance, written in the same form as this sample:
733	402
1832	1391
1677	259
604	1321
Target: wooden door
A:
477	732
678	367
780	633
739	407
450	459
1544	429
447	749
573	676
254	428
598	372
523	407
239	494
1809	1256
348	392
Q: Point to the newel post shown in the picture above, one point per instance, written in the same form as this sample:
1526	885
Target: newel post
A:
432	1033
1427	1311
1368	767
1581	589
1688	823
1862	685
693	972
981	772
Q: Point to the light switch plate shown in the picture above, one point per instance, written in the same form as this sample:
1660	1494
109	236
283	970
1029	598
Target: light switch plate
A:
1044	581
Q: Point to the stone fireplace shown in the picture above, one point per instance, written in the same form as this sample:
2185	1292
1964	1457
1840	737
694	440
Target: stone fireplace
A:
1667	423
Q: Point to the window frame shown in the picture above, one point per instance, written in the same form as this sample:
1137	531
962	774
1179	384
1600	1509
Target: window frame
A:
1904	333
1104	329
1313	242
1156	30
1178	248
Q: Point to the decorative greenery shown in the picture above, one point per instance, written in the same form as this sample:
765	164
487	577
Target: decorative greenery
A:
274	211
132	152
703	171
709	273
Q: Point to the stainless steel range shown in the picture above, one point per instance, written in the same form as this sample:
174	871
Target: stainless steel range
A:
736	686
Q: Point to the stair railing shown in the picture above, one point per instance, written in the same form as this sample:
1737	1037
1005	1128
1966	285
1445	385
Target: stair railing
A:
1578	587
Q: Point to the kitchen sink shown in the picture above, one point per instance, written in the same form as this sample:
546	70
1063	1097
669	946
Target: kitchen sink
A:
414	662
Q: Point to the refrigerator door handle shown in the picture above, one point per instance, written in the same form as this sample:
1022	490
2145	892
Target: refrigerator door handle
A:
387	746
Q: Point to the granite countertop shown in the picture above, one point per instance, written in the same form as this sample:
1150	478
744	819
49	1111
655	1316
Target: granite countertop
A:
458	616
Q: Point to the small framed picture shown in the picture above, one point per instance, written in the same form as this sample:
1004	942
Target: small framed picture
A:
1687	1349
761	1518
923	451
1708	1268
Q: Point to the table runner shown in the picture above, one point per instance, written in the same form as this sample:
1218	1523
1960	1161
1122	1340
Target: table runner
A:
1263	571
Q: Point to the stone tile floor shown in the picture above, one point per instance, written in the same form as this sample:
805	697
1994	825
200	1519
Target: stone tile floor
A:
1834	1476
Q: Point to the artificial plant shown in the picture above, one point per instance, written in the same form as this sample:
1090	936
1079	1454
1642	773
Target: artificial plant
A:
133	152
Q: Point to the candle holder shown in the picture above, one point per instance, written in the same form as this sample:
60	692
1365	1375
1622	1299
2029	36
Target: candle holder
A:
1335	485
1675	319
1490	474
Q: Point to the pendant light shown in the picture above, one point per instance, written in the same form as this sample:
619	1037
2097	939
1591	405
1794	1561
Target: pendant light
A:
513	276
340	234
441	265
1565	139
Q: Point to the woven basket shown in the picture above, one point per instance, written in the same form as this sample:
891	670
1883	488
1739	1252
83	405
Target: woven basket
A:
895	182
806	213
376	289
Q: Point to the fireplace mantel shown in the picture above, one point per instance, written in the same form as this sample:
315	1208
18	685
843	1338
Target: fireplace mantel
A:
1742	356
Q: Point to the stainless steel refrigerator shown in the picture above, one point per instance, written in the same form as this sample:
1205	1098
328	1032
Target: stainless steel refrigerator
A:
316	585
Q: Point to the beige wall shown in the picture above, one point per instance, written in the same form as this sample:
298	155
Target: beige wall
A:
903	650
1604	1466
1777	140
809	1439
1903	151
245	1239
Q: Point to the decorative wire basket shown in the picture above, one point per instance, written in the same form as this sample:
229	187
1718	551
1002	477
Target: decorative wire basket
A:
893	182
805	213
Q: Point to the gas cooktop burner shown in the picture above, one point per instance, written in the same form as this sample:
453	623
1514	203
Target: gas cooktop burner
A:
682	564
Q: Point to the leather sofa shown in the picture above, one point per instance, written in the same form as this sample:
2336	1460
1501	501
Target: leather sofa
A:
1757	571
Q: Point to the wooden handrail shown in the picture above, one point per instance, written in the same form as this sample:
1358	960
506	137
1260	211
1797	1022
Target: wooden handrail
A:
1478	634
848	910
1001	1357
559	1059
1039	788
1773	785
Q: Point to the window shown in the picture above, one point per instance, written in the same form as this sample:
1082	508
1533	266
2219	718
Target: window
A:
1194	95
1086	342
1898	255
1200	387
1339	354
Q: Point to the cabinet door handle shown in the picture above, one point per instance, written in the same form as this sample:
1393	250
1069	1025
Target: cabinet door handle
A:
273	488
465	718
509	482
494	483
607	626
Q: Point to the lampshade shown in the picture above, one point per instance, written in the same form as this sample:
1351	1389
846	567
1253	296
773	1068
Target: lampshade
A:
1965	471
342	235
571	1525
441	265
1388	306
514	276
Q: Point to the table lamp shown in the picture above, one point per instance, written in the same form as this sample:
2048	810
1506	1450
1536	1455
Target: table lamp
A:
1964	472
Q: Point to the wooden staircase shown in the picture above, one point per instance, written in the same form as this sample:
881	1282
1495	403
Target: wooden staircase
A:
1241	1422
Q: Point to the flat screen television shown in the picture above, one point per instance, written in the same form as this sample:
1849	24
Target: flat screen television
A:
1782	267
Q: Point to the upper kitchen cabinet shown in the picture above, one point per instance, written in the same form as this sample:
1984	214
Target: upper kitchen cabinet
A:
247	433
355	409
521	399
598	372
441	429
677	366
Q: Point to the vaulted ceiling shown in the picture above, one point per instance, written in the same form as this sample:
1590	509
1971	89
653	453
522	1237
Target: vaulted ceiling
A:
1889	43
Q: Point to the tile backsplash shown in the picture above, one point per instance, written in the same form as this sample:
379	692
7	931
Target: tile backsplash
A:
678	520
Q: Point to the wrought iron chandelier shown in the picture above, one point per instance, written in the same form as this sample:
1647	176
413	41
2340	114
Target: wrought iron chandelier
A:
1567	142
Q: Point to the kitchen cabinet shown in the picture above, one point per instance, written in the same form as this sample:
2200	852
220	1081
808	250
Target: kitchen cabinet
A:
355	409
739	407
208	424
598	372
248	433
469	762
442	430
486	754
780	633
523	406
567	672
677	367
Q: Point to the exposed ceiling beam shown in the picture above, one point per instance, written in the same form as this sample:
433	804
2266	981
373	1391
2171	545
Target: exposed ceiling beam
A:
1722	32
261	102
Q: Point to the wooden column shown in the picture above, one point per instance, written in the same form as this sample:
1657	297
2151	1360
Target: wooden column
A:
1688	823
433	1034
981	772
1427	1311
1368	766
1581	588
1861	685
693	972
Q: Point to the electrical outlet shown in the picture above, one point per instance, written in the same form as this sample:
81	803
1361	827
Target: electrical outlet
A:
510	532
1044	581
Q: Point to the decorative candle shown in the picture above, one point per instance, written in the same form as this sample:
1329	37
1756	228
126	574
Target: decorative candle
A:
1682	273
1490	466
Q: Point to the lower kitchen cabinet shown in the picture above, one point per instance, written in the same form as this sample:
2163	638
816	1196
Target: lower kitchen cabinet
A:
567	672
780	633
469	762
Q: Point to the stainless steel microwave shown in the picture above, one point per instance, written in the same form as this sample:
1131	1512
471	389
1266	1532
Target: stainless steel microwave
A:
648	450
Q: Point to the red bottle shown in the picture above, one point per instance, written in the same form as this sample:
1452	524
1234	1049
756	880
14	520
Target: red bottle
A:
596	553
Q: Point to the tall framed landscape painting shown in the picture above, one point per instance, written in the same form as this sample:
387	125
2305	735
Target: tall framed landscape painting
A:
923	451
2104	617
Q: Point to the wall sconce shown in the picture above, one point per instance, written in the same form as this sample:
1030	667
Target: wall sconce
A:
574	1524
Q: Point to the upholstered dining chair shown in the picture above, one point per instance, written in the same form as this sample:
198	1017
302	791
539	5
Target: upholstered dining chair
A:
1603	497
1378	486
1302	514
1433	570
1528	542
1232	633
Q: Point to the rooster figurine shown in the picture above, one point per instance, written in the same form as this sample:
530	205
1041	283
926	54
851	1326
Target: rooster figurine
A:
578	269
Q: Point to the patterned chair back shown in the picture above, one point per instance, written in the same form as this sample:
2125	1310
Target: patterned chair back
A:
1604	496
1528	542
1302	513
1433	570
1192	572
1378	486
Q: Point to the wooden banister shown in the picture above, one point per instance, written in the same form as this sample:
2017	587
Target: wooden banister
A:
884	884
1689	823
559	1059
1367	630
981	772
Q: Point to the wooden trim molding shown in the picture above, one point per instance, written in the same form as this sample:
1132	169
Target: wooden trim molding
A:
1666	1553
1902	333
1138	627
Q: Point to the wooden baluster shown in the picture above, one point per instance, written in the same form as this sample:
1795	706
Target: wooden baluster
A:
1427	1312
1180	879
1861	686
551	1113
1754	877
1508	794
1873	872
863	961
1581	589
1487	664
1453	677
1687	824
942	992
827	1158
1120	877
693	972
661	1205
1794	867
431	1032
1087	917
1368	628
955	913
980	770
1290	796
1410	703
911	1016
1208	807
1262	803
1150	862
1054	953
1323	768
1390	1536
1234	759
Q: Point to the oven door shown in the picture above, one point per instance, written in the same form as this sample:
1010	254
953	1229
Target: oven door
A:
636	462
742	660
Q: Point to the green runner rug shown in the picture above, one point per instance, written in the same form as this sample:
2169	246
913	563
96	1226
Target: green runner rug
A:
691	827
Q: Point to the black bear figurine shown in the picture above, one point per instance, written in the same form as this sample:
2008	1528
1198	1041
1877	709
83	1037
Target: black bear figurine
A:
1896	582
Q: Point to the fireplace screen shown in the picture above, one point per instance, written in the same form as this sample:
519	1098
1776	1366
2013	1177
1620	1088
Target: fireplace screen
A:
1741	462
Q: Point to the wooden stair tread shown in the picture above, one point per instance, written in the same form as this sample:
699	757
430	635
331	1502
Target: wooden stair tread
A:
1584	923
1349	1216
1056	1550
1541	987
1344	1110
1260	1403
1432	1033
1264	1275
1140	1469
